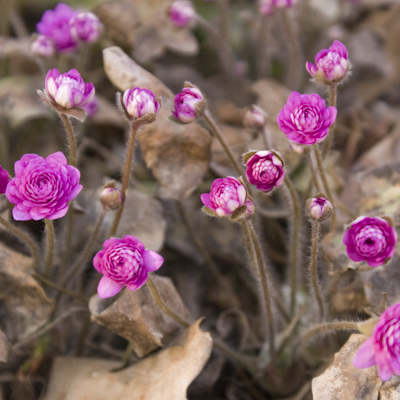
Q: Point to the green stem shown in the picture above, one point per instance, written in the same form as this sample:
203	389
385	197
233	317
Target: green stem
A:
325	183
49	246
331	133
209	119
125	176
313	268
294	242
25	238
71	138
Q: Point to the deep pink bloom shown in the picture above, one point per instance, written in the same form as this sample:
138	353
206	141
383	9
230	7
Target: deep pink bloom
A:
42	187
91	107
55	24
140	102
370	239
124	262
4	180
383	347
68	90
319	208
332	64
305	119
43	46
86	27
181	13
265	169
188	104
226	196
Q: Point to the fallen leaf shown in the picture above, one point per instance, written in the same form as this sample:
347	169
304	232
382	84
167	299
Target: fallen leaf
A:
5	347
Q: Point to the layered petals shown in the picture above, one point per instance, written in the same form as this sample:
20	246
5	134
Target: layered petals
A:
140	102
85	27
4	180
182	13
188	105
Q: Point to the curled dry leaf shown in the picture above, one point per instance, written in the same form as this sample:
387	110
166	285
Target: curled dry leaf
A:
162	376
343	381
178	155
22	299
136	316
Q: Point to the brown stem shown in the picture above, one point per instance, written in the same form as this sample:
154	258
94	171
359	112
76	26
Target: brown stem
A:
313	268
125	176
68	237
313	172
294	242
49	246
331	326
71	138
223	6
262	46
332	102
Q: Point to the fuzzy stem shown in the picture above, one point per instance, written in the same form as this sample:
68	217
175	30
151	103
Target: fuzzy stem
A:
262	46
331	326
250	247
313	268
71	138
332	102
162	305
25	238
325	182
294	242
49	246
223	18
68	237
209	119
313	173
125	176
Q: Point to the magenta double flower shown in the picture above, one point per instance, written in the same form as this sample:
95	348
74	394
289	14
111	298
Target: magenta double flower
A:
319	208
4	180
383	347
124	262
86	27
139	103
370	239
42	187
188	104
305	119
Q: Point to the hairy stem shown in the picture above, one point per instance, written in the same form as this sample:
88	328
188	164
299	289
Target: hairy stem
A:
331	326
223	6
68	237
125	176
49	246
210	121
71	138
313	268
26	239
262	46
294	242
331	133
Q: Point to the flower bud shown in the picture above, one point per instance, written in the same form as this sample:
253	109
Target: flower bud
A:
43	46
182	13
189	104
254	120
110	197
265	7
86	27
140	105
4	179
319	208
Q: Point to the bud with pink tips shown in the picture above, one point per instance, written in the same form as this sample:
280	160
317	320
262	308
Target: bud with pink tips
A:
189	104
331	65
110	197
319	208
182	13
255	119
43	46
86	27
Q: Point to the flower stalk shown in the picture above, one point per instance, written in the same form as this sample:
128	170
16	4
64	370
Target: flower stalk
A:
71	138
49	246
332	102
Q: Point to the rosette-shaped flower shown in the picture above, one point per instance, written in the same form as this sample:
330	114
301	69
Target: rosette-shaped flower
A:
55	24
319	208
42	187
305	119
332	64
43	46
383	347
139	103
181	13
226	196
124	262
68	90
371	240
4	180
86	27
189	104
265	170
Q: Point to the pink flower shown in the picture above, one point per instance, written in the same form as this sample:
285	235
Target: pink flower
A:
124	262
4	180
319	208
266	7
86	27
370	239
332	65
181	13
68	90
226	196
139	103
254	120
265	169
305	119
43	46
383	347
91	107
284	3
55	25
42	187
189	104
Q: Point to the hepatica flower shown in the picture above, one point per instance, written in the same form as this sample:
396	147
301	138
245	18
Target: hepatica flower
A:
181	13
124	262
42	187
4	180
189	104
43	46
331	65
55	25
370	239
139	103
319	208
383	347
86	27
305	119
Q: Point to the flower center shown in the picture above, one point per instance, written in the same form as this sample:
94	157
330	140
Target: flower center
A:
370	241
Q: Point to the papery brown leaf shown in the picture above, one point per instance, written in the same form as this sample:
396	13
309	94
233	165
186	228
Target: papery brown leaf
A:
136	316
162	376
178	155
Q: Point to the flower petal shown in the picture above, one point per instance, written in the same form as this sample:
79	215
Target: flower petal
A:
108	288
152	260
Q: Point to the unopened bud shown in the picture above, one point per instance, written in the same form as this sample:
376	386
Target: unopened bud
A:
319	208
111	198
254	120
